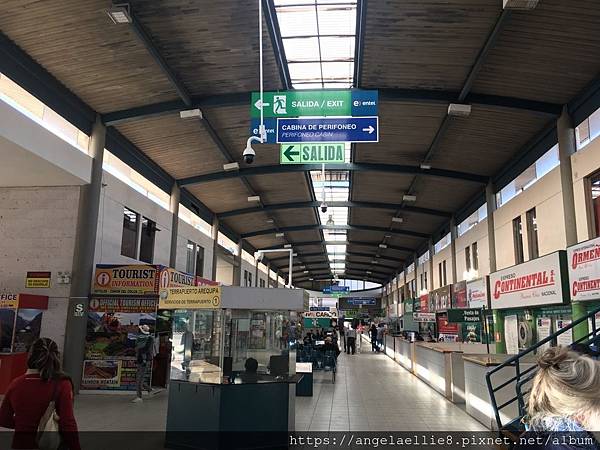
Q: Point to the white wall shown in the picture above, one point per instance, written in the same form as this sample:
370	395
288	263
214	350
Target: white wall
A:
584	163
444	255
545	195
187	232
479	234
37	233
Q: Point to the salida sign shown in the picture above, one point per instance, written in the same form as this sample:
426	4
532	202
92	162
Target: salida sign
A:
536	282
584	270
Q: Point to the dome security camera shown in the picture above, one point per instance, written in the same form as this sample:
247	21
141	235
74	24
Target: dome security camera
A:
249	155
323	207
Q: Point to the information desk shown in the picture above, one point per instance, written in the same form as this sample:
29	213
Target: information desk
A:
212	416
478	404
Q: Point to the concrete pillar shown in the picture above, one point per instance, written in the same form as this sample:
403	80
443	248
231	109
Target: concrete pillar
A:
405	283
453	235
215	238
567	147
255	273
174	208
490	200
237	265
578	310
83	259
430	277
269	274
417	280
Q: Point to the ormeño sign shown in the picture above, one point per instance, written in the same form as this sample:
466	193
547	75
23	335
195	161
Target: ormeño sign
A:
540	281
584	270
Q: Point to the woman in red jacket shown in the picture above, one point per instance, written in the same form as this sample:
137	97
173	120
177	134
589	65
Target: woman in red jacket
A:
28	396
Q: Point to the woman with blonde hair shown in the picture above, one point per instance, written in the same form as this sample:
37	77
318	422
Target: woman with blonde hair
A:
565	397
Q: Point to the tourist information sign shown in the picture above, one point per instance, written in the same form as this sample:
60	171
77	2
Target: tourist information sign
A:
328	129
300	103
312	153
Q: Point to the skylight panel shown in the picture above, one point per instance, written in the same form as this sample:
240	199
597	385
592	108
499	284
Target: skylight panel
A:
342	71
297	21
302	49
305	71
335	48
337	19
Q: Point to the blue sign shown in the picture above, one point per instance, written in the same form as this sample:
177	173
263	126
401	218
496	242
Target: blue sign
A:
336	288
360	301
270	126
328	129
319	308
364	103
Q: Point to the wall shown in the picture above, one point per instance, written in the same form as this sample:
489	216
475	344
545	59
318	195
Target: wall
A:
479	234
584	163
545	195
186	233
38	230
444	255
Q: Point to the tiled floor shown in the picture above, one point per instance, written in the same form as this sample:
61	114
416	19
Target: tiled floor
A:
373	393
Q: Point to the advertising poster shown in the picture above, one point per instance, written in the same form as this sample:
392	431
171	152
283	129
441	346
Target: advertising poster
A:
566	338
8	312
447	332
511	334
136	279
424	303
477	293
459	295
441	299
536	282
191	297
584	270
28	325
471	332
112	328
544	329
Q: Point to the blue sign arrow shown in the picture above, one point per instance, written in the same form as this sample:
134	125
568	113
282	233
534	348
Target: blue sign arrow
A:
328	129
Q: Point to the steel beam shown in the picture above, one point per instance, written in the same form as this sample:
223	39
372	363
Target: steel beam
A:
415	234
340	204
352	167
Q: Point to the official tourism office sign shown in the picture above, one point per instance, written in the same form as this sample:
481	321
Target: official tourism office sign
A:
541	281
584	270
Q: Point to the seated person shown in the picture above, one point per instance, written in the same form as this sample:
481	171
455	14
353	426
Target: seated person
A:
331	346
250	375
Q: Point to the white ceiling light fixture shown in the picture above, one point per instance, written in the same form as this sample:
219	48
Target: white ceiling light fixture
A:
254	198
526	5
191	114
270	221
287	246
120	13
231	166
459	110
383	246
397	219
279	235
409	198
425	166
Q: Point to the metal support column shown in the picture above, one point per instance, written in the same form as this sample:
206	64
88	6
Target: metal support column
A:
215	238
430	284
83	259
490	199
453	235
566	148
174	208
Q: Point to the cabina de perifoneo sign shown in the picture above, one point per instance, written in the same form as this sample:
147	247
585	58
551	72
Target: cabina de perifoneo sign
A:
536	282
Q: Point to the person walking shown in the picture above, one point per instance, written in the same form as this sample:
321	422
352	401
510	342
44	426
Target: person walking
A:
144	353
28	397
342	329
351	340
380	335
373	336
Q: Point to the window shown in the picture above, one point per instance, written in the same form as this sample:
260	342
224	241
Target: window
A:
472	220
425	280
468	258
442	244
475	255
190	259
262	283
440	276
594	183
588	130
147	240
199	261
130	233
444	273
532	234
518	240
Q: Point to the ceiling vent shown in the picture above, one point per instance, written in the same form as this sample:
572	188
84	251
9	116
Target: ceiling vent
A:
525	5
459	110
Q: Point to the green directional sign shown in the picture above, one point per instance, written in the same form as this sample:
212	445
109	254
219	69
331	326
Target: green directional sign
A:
307	153
301	103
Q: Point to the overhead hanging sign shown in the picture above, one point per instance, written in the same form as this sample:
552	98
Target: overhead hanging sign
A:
312	153
464	315
355	301
194	297
320	315
326	129
300	103
536	282
584	270
335	288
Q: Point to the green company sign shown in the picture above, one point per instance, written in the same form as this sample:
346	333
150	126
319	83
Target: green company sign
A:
464	315
312	153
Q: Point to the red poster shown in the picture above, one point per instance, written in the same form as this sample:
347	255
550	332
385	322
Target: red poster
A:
447	332
424	300
459	295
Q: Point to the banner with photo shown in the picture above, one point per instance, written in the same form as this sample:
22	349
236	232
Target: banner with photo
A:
112	329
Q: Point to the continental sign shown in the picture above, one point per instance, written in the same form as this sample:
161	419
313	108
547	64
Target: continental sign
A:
138	279
193	297
536	282
584	270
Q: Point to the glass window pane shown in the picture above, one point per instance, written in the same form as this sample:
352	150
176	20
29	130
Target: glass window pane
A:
129	238
343	71
305	72
335	48
301	49
337	19
307	85
147	240
297	21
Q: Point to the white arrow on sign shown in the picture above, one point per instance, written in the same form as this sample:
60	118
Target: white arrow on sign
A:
259	104
370	129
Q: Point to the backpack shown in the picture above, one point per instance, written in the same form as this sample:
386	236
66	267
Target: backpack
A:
48	436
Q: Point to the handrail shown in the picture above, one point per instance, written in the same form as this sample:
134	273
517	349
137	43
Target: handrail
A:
520	377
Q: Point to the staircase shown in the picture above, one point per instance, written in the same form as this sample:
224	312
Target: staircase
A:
521	381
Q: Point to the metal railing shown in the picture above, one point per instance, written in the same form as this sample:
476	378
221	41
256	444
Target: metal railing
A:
524	376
